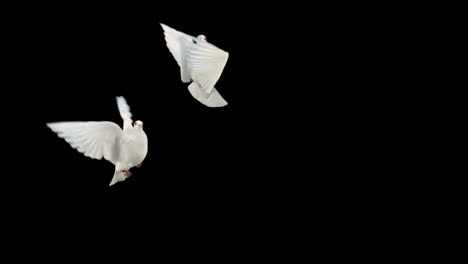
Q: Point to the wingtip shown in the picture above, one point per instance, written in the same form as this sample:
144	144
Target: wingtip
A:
113	181
164	26
50	125
120	99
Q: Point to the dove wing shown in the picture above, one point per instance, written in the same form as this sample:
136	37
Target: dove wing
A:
93	139
205	63
177	43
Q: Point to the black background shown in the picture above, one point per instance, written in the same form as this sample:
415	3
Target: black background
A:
210	175
236	177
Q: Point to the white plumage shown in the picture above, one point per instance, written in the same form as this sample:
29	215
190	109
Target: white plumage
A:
199	61
124	148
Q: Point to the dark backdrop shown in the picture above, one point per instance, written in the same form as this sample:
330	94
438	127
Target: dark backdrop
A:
236	177
207	172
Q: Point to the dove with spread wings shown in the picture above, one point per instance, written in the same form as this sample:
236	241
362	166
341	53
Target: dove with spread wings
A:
199	62
125	148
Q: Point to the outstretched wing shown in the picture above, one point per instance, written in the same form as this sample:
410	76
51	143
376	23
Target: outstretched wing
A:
177	43
93	139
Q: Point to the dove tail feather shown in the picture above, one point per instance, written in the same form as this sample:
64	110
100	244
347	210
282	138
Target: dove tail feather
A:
212	99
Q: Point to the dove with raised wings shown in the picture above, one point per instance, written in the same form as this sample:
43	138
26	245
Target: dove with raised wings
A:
199	62
125	148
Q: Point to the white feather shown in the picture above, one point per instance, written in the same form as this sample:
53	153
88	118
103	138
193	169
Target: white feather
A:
93	139
213	99
124	110
206	63
177	42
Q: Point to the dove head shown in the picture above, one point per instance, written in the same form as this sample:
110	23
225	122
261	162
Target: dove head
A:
201	37
138	124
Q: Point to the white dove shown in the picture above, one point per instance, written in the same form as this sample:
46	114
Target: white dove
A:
200	62
124	148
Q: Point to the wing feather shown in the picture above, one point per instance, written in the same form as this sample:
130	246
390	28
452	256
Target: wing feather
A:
125	113
206	63
94	139
177	42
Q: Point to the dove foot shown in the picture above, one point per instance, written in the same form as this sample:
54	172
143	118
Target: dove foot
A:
139	165
127	173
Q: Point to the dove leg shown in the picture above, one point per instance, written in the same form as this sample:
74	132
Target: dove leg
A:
127	173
